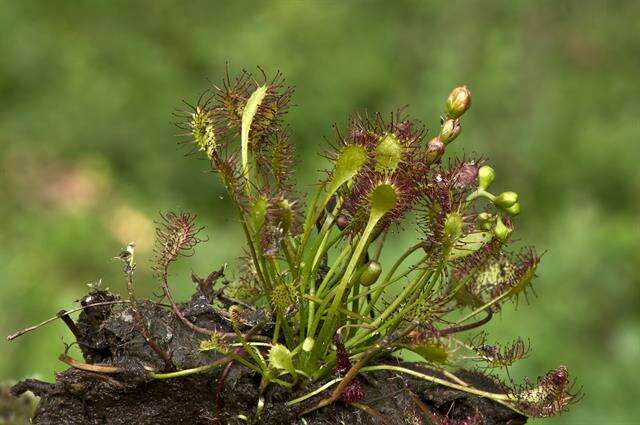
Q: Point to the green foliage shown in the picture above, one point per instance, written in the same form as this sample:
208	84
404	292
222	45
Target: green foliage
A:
389	153
350	160
281	358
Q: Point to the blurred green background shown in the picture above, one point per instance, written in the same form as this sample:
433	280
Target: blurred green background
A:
88	154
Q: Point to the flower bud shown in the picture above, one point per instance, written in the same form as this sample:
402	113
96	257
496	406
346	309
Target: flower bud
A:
435	150
371	273
485	225
506	199
466	175
485	221
342	221
486	175
308	344
514	209
501	230
458	102
450	130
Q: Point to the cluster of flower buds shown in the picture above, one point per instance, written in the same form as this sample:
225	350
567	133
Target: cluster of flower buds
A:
506	204
458	102
450	218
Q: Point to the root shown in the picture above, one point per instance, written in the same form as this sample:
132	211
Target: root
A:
373	412
88	367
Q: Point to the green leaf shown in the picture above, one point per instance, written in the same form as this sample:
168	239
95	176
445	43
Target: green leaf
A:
388	153
431	352
383	200
248	114
258	212
281	358
525	280
469	244
349	162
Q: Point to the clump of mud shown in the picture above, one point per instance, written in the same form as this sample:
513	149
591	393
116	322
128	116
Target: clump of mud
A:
107	335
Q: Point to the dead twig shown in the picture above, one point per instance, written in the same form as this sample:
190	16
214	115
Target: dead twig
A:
60	315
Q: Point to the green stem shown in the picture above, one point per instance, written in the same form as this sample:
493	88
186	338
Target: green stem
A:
193	371
216	160
310	268
276	330
376	256
314	319
470	390
310	222
282	383
346	251
314	392
390	274
328	328
350	313
480	193
289	255
390	282
406	292
287	331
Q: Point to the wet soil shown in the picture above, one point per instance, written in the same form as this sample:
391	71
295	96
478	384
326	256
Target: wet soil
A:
107	335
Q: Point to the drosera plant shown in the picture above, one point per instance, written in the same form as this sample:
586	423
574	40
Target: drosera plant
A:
312	309
313	267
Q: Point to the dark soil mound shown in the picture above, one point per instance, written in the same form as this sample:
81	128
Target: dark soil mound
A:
107	335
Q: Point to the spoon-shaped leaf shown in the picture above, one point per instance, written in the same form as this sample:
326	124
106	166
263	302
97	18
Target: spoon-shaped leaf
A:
250	110
281	358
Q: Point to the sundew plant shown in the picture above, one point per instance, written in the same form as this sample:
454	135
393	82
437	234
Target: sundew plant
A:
312	308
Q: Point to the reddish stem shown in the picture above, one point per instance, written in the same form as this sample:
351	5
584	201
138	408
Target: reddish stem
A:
461	328
220	386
